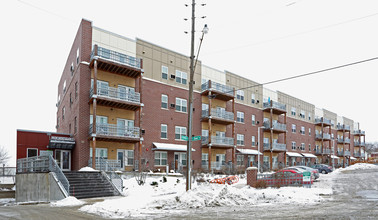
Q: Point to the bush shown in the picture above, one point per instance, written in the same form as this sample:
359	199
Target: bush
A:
260	184
164	179
154	183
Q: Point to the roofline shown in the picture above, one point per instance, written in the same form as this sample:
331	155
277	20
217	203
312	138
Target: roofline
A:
44	132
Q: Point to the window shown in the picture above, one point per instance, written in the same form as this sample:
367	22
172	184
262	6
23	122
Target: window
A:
76	90
309	147
63	112
57	122
181	105
253	98
253	141
71	101
303	130
293	128
293	145
129	157
309	131
164	72
205	133
179	132
164	101
253	119
240	95
205	159
163	133
293	111
302	146
64	87
240	160
72	68
160	158
32	152
181	77
69	128
205	110
181	158
240	117
100	153
302	114
77	55
309	116
75	125
240	139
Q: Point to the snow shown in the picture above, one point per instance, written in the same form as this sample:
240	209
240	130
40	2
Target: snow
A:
357	166
69	201
86	169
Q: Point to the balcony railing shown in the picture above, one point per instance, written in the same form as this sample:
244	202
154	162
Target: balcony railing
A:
117	57
276	105
357	143
275	147
325	136
343	127
218	114
115	93
217	87
359	132
275	126
343	140
358	154
340	153
322	120
115	130
347	153
226	141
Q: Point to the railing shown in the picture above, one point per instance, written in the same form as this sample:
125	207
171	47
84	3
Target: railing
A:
283	179
275	146
343	140
347	153
222	114
115	130
358	154
117	94
357	143
322	120
117	57
227	141
275	125
323	136
109	167
217	87
273	104
340	153
343	127
360	132
43	164
327	151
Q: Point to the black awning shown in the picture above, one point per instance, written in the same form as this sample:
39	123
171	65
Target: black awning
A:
66	143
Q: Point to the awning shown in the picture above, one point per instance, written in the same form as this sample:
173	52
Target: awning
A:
334	157
293	154
66	143
248	151
308	155
353	158
172	147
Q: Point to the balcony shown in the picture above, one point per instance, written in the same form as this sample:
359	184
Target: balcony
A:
220	91
218	141
343	140
276	127
324	121
359	144
275	147
340	153
218	116
114	97
112	132
359	133
343	127
320	152
324	136
115	62
347	153
276	107
358	154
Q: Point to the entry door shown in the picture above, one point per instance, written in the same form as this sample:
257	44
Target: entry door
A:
63	159
220	160
121	156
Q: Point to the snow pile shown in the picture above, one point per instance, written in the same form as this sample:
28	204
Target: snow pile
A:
358	166
170	196
86	169
69	201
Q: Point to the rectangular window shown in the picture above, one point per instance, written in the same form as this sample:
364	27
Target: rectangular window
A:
205	159
163	133
100	153
75	125
293	128
302	114
72	68
63	112
240	117
253	98
293	147
309	116
293	111
240	95
71	100
253	119
253	141
160	158
76	90
164	72
164	101
181	158
181	77
240	160
181	105
302	146
240	139
309	148
303	130
205	110
32	152
205	133
77	55
69	128
179	132
309	131
129	157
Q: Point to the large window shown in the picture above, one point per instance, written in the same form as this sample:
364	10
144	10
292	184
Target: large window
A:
32	152
164	101
293	111
100	153
240	139
205	159
181	77
253	141
253	98
179	132
164	72
181	158
240	94
303	130
240	117
160	158
181	105
240	160
293	128
302	114
163	133
293	147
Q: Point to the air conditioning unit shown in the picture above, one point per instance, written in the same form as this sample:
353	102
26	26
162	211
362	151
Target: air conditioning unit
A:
172	76
173	105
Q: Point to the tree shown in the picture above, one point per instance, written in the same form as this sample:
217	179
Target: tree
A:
371	147
4	155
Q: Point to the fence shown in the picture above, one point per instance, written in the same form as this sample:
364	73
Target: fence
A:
7	174
283	179
109	167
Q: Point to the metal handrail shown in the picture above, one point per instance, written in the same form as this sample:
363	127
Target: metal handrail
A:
117	57
275	125
322	120
53	167
217	140
275	105
115	93
343	127
103	165
115	130
217	87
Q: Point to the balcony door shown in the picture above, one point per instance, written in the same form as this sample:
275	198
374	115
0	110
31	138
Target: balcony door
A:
125	127
63	159
220	160
124	92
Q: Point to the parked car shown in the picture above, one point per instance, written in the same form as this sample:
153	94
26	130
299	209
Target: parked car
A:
295	173
323	168
313	171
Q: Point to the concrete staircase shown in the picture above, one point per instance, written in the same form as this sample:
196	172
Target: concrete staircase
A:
89	185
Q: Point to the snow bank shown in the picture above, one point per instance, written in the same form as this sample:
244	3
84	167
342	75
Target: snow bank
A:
357	166
69	201
86	169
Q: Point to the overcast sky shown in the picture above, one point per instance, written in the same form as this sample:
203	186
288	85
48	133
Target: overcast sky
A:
262	40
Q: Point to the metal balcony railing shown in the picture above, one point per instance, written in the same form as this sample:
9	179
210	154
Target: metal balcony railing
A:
343	127
218	87
115	130
275	125
359	132
226	141
343	140
340	153
275	146
115	93
357	143
347	153
117	57
218	114
273	104
327	151
323	136
322	120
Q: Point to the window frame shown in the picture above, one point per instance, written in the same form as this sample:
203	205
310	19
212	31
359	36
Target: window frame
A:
240	117
253	118
293	128
180	77
31	148
240	95
163	73
160	158
181	133
293	145
162	102
179	105
162	132
240	140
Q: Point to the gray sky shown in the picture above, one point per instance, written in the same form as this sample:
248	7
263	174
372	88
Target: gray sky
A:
259	39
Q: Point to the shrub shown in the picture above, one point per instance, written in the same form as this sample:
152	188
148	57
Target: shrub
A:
154	183
164	179
260	184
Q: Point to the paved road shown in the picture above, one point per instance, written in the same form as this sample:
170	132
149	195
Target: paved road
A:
355	197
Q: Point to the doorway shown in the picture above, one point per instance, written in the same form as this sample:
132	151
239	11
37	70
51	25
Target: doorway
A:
63	159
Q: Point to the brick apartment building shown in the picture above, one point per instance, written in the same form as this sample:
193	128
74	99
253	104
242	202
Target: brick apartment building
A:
125	100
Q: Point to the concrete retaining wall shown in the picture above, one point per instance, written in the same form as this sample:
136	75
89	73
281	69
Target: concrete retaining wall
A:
37	187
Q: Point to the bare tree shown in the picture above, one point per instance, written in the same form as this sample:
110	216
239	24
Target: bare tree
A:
371	147
4	155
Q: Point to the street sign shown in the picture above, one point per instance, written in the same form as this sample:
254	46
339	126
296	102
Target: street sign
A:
306	176
185	138
196	138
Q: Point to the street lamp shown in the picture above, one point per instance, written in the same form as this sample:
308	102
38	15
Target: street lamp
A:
191	82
